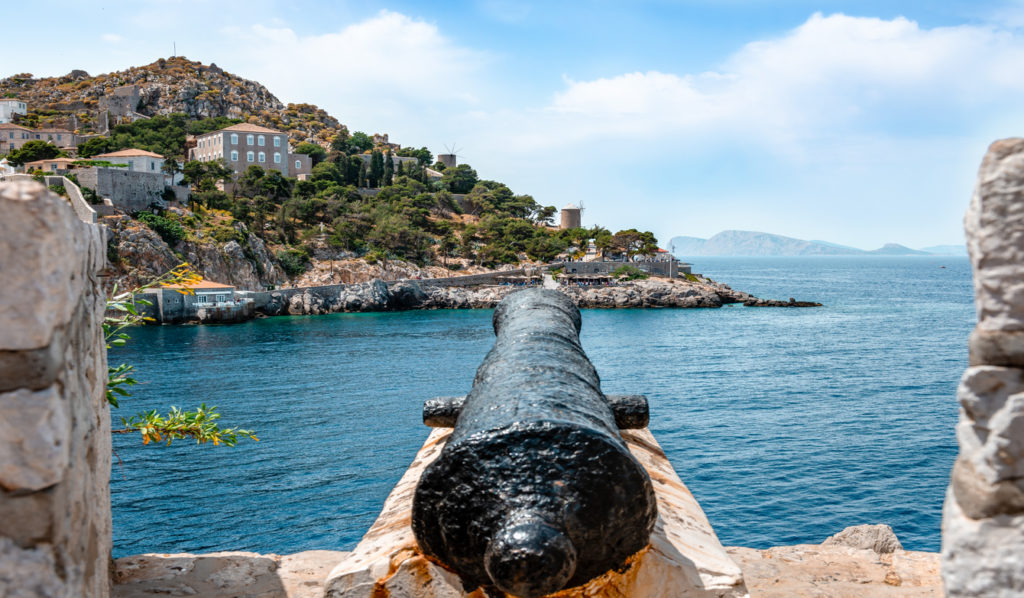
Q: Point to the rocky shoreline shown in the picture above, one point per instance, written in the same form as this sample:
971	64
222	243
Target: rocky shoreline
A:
378	295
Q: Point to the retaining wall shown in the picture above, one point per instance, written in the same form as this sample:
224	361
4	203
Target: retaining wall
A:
55	531
129	190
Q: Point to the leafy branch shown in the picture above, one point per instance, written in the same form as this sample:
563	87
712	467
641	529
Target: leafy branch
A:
199	425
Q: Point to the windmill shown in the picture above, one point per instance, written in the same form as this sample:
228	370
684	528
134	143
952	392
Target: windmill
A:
450	159
583	208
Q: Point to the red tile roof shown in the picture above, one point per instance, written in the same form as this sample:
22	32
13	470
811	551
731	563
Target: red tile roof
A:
127	153
202	284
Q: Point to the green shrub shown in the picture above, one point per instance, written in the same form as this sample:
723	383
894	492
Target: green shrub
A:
293	261
169	230
629	272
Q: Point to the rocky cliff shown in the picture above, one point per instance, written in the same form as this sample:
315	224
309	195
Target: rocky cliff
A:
139	255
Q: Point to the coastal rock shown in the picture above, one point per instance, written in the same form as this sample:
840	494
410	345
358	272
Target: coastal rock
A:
833	571
983	516
248	574
28	572
879	538
33	439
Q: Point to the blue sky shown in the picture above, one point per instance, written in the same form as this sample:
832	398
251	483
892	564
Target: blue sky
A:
854	122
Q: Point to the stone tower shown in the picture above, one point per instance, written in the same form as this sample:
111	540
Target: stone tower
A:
570	217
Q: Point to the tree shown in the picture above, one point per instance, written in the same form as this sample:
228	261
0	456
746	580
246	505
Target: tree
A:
376	168
633	242
315	152
423	154
459	179
32	151
96	145
389	169
545	215
170	167
359	142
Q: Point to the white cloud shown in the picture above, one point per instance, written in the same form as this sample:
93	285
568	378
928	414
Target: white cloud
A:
365	71
112	38
831	74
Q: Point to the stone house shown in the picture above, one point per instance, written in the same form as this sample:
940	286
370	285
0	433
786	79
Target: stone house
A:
11	106
51	165
14	136
243	145
136	159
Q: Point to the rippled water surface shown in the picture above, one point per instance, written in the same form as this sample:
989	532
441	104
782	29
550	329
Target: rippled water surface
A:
787	424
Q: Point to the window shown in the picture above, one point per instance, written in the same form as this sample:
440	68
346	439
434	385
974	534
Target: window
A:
277	156
263	157
298	165
202	298
248	156
11	134
248	139
152	165
59	136
234	155
277	141
234	139
261	140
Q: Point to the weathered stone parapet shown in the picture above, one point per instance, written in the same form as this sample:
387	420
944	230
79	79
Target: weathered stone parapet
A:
684	558
55	535
983	518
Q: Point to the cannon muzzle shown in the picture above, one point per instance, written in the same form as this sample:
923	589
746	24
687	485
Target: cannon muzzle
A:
535	490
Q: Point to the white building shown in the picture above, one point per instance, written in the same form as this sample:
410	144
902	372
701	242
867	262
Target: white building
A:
11	106
136	159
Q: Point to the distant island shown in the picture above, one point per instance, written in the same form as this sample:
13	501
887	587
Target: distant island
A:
740	243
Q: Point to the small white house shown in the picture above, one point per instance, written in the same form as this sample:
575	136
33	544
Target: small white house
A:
136	159
11	106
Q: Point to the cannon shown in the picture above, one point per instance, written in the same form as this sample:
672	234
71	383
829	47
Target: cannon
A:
535	489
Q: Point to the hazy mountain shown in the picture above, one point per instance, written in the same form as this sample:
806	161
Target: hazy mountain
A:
946	249
897	249
751	243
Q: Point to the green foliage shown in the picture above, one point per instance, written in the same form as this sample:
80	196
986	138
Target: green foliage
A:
199	425
376	169
423	154
293	261
163	134
460	179
32	151
316	152
633	242
629	272
169	230
389	169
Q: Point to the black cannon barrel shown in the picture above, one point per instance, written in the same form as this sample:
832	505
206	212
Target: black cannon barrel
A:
535	489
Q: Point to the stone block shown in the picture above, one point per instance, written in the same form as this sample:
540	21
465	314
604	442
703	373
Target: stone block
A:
994	225
684	559
41	281
29	572
34	439
981	557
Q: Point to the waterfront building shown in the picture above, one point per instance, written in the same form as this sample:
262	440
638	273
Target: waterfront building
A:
13	136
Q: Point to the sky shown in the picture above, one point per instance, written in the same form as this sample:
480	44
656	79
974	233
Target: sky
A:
858	123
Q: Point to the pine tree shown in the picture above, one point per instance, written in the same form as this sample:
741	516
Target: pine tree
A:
376	168
389	168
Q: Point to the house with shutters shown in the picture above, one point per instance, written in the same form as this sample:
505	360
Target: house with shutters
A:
243	145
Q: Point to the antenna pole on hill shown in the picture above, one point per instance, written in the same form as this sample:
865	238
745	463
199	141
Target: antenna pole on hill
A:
175	52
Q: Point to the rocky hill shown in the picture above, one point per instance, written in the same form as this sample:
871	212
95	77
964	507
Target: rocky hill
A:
88	103
752	243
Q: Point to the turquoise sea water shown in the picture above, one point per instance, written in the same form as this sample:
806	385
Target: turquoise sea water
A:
787	424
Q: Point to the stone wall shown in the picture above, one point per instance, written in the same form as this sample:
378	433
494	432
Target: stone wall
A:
983	518
129	190
55	531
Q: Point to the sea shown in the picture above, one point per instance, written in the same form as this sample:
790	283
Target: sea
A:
787	424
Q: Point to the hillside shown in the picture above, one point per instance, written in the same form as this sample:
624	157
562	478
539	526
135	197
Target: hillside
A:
86	103
741	243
